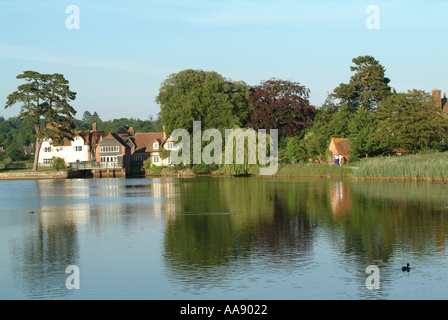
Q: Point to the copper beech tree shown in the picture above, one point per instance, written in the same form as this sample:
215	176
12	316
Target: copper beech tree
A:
282	105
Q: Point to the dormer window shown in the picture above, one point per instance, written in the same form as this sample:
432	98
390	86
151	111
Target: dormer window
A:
169	146
155	146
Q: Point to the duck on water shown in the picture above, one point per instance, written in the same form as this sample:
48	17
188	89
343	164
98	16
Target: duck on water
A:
406	268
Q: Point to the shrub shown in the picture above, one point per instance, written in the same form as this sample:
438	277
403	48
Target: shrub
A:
58	163
203	168
156	169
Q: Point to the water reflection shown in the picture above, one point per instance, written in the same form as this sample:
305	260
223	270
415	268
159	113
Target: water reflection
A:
290	239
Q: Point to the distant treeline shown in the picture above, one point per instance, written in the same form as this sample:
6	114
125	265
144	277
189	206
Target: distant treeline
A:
16	134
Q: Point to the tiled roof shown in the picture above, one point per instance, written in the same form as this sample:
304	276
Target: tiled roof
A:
143	141
342	145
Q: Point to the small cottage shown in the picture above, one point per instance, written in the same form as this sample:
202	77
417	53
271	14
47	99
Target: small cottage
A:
340	147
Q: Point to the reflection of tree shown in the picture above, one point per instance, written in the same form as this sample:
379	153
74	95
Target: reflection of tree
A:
277	219
42	255
203	238
389	216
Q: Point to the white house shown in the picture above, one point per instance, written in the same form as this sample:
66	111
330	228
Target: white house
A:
70	151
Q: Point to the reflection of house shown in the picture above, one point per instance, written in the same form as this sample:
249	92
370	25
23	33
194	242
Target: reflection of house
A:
340	147
340	199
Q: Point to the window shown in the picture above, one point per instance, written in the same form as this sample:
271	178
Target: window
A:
77	138
169	146
109	149
168	160
77	148
108	159
155	159
138	159
155	146
47	160
47	149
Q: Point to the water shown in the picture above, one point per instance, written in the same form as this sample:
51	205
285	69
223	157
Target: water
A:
173	238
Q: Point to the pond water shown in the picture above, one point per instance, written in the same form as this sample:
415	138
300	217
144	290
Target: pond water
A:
173	238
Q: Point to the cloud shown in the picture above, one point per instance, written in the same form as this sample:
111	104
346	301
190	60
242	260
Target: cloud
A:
36	54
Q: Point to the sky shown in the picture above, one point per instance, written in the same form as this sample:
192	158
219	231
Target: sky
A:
123	50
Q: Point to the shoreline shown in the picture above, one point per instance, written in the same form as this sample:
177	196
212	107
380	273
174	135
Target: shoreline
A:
76	174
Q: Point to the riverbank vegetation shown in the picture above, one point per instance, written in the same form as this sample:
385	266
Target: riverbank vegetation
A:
432	166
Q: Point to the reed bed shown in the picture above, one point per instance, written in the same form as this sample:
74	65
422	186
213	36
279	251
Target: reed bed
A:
432	166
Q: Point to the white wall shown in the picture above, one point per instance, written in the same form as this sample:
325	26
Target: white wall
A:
67	153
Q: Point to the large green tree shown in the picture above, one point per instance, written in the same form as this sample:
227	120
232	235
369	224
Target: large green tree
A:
367	87
206	96
413	121
44	101
363	127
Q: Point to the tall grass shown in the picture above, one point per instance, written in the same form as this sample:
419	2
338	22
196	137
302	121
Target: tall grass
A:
432	166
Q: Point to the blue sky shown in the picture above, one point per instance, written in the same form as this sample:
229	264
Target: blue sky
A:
123	50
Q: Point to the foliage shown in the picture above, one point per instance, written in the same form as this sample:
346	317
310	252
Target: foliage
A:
280	104
91	118
296	149
203	168
206	96
44	100
367	87
363	127
16	154
156	169
112	126
58	163
412	121
147	164
329	122
6	162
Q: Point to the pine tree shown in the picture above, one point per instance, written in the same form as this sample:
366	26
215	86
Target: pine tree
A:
44	100
367	87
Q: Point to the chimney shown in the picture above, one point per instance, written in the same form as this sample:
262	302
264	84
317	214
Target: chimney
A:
443	103
93	126
164	134
437	94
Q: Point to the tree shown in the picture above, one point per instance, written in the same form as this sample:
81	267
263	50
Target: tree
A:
282	105
413	121
44	102
206	96
58	163
362	132
367	87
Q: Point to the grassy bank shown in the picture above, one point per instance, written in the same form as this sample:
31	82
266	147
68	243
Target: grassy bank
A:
25	170
413	167
313	170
